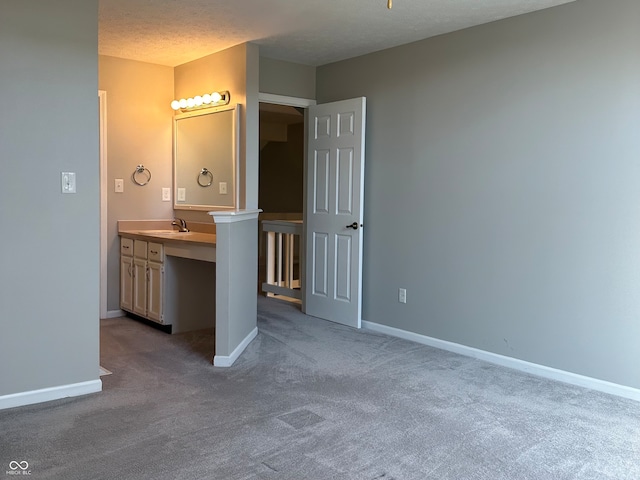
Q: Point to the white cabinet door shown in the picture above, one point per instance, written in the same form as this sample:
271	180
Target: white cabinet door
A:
155	273
126	283
334	211
140	286
142	278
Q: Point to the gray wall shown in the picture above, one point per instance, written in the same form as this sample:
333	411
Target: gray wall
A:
139	131
49	255
235	272
502	186
286	78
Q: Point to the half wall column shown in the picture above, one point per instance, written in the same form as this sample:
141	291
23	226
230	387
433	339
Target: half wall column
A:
236	283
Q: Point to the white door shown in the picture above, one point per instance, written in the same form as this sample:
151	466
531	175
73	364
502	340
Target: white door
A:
334	211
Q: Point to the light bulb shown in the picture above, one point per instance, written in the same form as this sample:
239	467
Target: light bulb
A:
183	103
175	104
206	99
191	102
198	100
216	97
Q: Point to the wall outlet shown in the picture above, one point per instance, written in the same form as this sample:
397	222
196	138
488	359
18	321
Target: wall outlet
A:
166	194
223	188
402	295
182	194
119	185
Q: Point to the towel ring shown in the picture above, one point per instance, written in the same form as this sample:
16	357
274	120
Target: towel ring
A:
141	170
207	174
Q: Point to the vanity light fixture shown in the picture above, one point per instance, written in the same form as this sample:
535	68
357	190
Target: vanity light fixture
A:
207	100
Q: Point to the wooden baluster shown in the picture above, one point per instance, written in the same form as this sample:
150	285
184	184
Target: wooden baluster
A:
279	274
271	260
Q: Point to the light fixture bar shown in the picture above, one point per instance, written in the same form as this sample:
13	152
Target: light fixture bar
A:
207	100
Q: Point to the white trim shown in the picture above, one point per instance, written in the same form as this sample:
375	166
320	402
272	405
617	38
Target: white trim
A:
48	394
227	361
115	314
232	216
102	124
509	362
285	100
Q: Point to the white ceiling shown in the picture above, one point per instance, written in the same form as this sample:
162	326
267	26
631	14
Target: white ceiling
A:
311	32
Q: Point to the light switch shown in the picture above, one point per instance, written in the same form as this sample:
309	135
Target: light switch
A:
166	194
119	185
68	182
223	188
182	194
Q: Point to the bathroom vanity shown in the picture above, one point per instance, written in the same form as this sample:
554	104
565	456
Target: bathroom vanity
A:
167	276
206	277
194	280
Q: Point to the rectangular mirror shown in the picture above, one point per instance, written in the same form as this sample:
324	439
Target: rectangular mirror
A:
206	159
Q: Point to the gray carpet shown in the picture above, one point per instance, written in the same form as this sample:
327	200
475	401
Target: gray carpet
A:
314	400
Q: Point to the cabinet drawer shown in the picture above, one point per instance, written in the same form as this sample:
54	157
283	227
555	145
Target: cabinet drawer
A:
156	253
140	249
126	246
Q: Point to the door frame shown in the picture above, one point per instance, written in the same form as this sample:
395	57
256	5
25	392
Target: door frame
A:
102	129
301	103
285	100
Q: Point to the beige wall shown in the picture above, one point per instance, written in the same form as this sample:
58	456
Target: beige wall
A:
234	70
140	128
139	131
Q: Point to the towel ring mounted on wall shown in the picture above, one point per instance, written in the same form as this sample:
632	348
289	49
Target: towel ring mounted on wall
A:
204	175
141	175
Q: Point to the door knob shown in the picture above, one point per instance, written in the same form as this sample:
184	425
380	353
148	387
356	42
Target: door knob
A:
354	225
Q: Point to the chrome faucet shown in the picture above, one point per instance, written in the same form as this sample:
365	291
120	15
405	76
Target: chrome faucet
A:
181	224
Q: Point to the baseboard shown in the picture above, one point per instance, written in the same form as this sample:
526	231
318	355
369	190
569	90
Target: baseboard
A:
514	363
48	394
115	313
227	361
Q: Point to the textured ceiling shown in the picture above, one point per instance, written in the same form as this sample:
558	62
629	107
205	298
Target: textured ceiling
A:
311	32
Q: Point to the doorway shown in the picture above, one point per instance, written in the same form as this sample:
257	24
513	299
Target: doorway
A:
330	236
281	194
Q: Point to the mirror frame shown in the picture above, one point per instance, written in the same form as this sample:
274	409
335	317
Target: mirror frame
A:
236	158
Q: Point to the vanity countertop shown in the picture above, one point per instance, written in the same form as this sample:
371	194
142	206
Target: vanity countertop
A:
207	239
163	232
